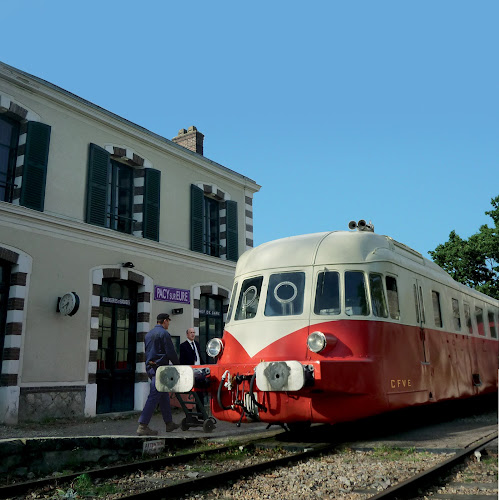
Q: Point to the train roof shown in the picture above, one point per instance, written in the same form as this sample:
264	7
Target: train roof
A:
342	248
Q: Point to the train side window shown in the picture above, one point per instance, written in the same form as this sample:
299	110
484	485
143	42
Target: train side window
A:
378	301
393	297
479	321
437	313
456	314
327	293
492	325
285	294
232	300
249	298
355	294
467	317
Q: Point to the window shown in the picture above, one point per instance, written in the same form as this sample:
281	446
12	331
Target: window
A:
492	325
378	300
456	315
479	320
31	193
211	227
232	300
110	195
9	137
467	317
393	297
355	294
119	197
206	221
249	298
437	314
285	294
327	293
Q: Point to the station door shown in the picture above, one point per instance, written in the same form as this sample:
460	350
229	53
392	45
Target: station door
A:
116	346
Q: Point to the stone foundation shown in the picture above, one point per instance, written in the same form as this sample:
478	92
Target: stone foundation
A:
41	403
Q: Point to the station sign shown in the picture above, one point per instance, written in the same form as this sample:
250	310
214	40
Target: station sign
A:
168	294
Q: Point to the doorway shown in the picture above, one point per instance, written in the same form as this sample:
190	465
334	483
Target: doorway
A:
210	322
116	352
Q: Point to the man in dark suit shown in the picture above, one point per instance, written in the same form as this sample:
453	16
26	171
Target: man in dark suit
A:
190	352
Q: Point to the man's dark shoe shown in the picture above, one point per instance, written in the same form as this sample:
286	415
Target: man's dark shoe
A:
144	430
171	426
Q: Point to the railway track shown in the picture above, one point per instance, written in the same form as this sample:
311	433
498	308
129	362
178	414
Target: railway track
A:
433	477
326	462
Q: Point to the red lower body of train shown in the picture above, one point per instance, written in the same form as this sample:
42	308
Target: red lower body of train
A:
372	368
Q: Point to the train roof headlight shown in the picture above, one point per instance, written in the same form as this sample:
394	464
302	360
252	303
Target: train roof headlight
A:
214	347
316	341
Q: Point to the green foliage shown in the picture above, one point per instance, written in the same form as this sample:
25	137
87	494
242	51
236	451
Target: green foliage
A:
83	487
475	261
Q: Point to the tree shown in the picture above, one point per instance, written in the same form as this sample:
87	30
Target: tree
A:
475	261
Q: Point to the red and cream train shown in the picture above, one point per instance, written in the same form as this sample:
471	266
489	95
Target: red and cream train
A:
337	326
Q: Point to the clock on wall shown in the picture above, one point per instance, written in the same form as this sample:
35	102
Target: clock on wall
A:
69	304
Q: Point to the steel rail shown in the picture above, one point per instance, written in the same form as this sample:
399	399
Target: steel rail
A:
216	479
152	463
428	478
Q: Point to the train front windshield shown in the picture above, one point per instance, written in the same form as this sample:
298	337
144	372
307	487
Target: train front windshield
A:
364	294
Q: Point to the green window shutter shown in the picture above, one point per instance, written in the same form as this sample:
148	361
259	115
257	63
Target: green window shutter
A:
98	167
197	200
232	235
152	190
36	155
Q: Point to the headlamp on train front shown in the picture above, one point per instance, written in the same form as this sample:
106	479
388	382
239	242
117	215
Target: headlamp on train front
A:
214	347
316	342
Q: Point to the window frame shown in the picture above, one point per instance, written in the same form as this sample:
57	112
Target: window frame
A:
340	292
10	170
457	327
394	278
366	293
437	309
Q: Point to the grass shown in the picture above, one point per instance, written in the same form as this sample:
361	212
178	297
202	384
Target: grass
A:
392	454
84	487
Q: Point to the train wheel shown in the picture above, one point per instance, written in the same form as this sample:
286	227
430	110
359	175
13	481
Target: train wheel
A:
183	425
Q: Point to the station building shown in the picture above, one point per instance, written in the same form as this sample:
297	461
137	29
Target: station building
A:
103	225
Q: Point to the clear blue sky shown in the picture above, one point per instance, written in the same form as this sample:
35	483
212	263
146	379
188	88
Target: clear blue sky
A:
382	110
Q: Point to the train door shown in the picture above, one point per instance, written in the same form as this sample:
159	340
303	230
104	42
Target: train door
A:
424	350
421	320
116	346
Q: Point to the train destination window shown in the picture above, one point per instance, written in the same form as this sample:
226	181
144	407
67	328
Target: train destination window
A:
378	300
467	317
456	314
437	314
285	294
479	320
492	325
327	294
393	297
355	294
249	298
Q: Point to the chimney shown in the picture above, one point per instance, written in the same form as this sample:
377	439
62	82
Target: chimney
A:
190	139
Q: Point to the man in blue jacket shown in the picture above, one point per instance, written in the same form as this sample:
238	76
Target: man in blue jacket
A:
159	352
